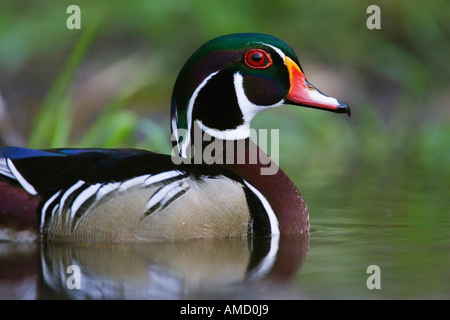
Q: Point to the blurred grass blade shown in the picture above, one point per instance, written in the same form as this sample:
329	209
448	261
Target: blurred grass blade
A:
62	125
105	125
124	125
52	123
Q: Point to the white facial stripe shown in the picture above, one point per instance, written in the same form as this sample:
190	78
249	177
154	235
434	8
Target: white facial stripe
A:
175	127
272	216
185	142
277	50
248	108
23	182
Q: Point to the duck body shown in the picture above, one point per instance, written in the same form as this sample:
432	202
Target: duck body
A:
130	195
120	195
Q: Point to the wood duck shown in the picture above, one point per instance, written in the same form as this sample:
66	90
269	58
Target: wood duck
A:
130	195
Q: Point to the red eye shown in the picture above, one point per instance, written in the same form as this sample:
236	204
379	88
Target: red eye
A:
257	59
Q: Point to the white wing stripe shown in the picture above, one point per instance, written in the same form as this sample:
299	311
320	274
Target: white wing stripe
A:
162	176
164	195
83	197
23	182
45	207
133	182
107	188
4	169
67	194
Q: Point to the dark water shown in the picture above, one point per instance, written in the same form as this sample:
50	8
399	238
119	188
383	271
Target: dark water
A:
400	225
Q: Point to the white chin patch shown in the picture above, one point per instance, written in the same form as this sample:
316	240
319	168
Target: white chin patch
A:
248	110
241	132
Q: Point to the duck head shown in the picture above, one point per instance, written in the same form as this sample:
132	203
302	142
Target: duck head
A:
229	79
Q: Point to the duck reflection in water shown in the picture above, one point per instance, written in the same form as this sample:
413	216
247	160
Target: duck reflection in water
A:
213	269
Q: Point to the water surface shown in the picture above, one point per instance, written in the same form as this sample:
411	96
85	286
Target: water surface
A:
400	224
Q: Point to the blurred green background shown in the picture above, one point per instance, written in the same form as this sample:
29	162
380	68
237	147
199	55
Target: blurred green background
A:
109	84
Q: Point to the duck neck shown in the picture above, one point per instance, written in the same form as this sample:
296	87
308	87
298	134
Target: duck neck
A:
248	161
267	177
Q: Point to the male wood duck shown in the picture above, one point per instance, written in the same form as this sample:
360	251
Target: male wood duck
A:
129	195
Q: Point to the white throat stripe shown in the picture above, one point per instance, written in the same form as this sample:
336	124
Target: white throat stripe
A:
186	142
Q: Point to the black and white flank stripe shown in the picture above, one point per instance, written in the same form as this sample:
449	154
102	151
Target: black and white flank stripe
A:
70	205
